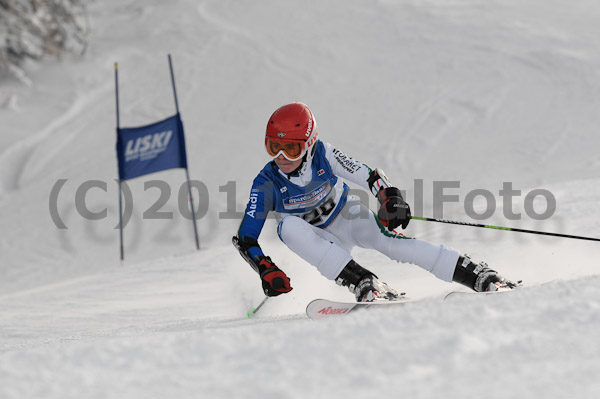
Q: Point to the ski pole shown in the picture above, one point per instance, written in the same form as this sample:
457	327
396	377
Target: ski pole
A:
487	226
254	310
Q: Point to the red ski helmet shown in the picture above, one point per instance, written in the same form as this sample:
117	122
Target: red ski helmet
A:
291	131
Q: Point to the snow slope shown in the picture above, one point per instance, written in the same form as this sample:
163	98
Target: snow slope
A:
476	92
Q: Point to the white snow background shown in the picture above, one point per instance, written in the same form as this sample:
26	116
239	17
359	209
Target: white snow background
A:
481	92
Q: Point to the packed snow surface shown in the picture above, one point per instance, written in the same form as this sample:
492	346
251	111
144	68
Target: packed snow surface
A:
465	94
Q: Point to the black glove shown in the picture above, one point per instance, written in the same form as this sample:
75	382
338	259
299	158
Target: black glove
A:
394	211
274	280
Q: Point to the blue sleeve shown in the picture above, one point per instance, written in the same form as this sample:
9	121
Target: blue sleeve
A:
259	205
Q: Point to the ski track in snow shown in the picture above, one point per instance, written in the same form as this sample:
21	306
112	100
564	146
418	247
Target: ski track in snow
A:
435	90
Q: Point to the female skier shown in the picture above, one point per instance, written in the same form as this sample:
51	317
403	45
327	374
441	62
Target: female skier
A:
320	222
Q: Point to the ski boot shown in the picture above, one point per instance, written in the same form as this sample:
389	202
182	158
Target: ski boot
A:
371	289
479	277
364	285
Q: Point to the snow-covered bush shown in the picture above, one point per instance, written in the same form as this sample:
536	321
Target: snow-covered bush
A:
32	29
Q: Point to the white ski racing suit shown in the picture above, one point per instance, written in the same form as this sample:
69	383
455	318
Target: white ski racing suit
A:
321	223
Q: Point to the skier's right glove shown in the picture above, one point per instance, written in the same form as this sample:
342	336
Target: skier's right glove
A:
394	211
274	280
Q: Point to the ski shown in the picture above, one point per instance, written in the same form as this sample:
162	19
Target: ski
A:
455	294
322	308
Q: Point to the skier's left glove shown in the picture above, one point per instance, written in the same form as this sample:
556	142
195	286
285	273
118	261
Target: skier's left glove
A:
274	280
394	211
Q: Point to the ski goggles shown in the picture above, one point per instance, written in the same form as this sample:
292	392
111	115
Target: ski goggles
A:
292	150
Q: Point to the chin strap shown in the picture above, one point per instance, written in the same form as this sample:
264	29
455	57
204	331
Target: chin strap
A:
296	171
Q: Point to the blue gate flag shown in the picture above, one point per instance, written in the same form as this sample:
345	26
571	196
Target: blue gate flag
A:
151	148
